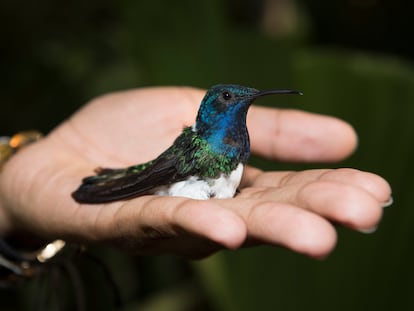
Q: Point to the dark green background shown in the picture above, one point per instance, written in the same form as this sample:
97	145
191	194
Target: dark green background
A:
352	59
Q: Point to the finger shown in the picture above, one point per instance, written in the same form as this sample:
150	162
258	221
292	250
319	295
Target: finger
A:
344	202
146	221
375	185
285	225
372	183
293	135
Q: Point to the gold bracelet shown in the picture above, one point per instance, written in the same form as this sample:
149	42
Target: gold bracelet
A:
10	145
17	265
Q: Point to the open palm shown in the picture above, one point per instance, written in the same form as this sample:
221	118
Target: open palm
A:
292	209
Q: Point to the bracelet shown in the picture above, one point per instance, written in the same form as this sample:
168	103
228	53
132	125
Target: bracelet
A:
10	145
17	265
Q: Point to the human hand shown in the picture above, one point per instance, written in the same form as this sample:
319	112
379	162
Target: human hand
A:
291	209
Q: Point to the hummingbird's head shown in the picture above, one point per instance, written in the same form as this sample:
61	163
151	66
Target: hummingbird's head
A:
226	105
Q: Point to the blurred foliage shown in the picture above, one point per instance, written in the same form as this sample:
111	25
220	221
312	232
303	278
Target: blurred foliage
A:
342	54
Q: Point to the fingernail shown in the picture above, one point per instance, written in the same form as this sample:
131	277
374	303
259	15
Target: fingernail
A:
368	230
388	203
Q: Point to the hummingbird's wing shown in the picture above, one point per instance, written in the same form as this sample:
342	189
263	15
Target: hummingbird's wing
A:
119	184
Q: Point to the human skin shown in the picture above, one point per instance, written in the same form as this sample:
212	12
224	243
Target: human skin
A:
295	210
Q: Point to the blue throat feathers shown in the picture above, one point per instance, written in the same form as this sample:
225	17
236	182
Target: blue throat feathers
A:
224	128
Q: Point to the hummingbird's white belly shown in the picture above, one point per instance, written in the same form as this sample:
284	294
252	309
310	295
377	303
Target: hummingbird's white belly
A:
202	189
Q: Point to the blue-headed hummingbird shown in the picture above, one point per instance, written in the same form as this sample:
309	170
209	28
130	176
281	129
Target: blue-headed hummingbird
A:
205	161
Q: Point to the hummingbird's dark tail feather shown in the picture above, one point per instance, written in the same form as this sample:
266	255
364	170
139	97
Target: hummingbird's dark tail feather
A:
94	190
110	185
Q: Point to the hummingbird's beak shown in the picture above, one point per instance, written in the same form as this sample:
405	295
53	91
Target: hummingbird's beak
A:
271	92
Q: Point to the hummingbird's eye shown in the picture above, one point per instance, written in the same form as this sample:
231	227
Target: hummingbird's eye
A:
226	96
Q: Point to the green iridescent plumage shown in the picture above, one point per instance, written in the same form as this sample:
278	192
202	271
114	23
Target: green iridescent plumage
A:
190	155
200	159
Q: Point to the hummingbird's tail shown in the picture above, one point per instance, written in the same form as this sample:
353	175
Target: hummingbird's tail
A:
109	185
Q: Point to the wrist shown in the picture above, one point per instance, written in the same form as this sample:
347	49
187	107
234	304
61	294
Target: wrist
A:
21	255
8	147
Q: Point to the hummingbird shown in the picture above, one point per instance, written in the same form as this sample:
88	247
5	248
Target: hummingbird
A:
205	161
